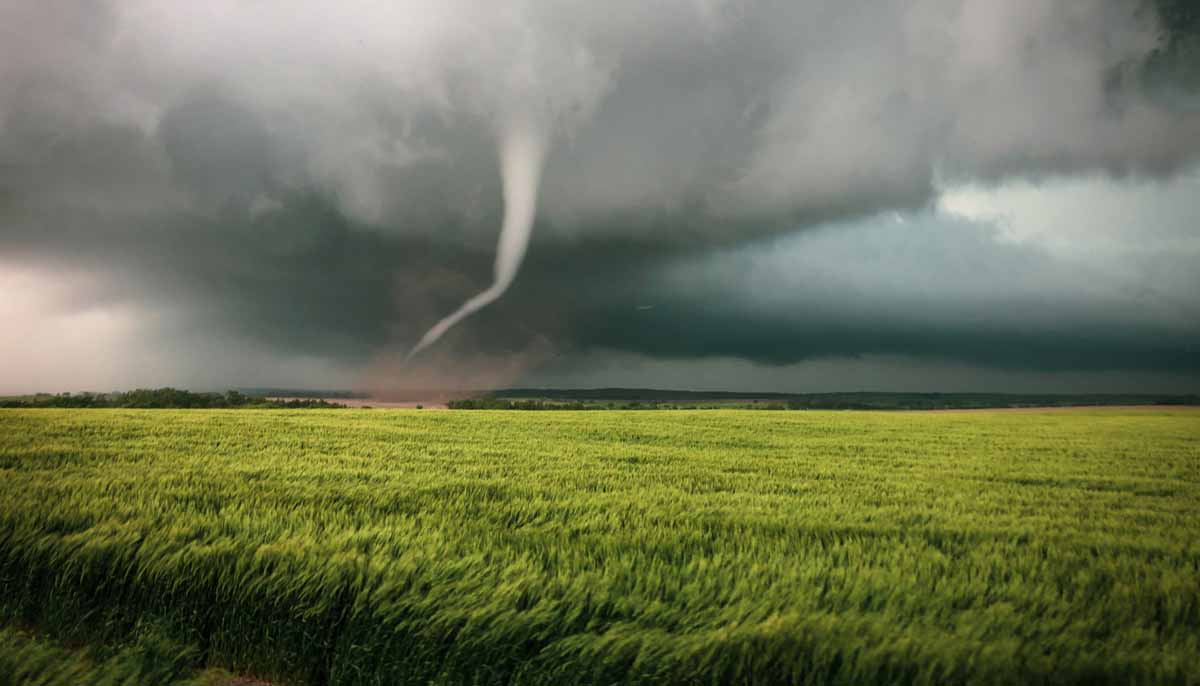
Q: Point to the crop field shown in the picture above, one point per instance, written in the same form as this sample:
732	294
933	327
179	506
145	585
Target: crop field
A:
344	547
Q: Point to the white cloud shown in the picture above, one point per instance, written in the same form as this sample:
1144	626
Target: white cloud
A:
1079	216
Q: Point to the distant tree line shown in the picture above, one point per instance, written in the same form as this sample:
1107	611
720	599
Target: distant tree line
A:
489	403
147	398
486	403
650	399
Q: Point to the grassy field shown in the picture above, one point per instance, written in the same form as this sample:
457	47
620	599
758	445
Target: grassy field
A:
708	547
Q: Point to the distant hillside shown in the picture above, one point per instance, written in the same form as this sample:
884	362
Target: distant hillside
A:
161	398
603	397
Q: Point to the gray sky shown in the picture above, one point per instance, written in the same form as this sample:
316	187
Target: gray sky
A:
929	195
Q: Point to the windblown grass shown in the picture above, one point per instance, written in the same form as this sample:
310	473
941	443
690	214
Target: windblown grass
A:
710	547
149	661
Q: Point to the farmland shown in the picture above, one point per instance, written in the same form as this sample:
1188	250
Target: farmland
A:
688	547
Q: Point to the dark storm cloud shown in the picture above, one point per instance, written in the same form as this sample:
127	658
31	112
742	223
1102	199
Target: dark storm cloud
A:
323	179
299	277
926	285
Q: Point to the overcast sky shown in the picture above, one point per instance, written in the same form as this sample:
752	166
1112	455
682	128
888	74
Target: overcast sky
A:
788	196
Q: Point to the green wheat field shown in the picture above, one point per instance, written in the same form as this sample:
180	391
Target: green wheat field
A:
324	547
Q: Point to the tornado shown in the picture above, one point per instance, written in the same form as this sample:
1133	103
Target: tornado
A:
522	150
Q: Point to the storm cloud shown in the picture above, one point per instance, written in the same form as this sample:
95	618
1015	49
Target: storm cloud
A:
770	182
